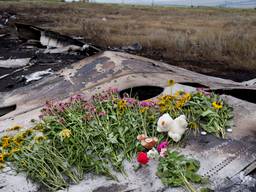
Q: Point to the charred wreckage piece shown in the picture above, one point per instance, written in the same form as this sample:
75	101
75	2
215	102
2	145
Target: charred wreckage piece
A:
5	17
52	39
35	50
228	163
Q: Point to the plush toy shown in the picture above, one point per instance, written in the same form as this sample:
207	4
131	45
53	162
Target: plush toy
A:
175	127
147	142
164	123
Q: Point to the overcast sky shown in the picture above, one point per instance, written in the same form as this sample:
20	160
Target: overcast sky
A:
231	3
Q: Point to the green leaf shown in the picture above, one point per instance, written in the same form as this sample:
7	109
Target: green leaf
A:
175	166
112	138
206	113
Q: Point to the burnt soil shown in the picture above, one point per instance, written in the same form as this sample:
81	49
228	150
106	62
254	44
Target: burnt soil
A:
212	68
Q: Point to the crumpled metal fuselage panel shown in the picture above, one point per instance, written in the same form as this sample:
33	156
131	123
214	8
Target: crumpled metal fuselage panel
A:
219	158
98	69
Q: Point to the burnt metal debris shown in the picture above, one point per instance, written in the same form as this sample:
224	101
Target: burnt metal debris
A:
226	162
5	18
30	49
52	39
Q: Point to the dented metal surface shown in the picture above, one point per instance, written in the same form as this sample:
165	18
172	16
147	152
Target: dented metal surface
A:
51	39
14	63
219	158
30	49
111	69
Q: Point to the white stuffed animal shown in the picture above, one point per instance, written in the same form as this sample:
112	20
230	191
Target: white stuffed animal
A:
164	123
179	125
175	136
175	128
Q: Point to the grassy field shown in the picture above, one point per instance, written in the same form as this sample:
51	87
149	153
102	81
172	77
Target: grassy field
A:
213	41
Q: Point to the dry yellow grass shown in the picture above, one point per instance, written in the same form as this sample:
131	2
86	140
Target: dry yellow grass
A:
209	40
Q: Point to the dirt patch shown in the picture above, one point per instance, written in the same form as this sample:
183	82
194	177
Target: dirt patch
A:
213	68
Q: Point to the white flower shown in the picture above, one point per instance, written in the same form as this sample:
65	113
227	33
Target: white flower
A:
164	123
153	153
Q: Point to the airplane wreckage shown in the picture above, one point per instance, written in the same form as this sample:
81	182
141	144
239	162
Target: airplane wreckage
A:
42	65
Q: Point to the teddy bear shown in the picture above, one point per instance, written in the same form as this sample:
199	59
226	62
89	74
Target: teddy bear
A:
175	127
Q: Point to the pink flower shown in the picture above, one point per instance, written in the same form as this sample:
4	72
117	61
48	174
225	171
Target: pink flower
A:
113	90
61	106
130	100
77	97
90	107
102	113
162	145
147	103
162	152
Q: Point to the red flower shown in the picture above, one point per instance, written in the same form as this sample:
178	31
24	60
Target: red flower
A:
142	158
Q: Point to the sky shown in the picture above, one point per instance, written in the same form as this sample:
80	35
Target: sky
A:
228	3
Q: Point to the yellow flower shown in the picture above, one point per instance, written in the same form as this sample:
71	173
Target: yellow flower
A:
165	100
144	109
193	125
39	138
179	104
14	128
27	133
5	141
65	133
6	154
171	82
18	138
183	100
122	105
217	105
39	127
24	163
165	103
17	142
15	149
1	158
187	96
178	93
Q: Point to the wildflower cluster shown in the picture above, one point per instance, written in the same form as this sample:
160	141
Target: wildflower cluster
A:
172	103
79	135
203	110
84	136
10	145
